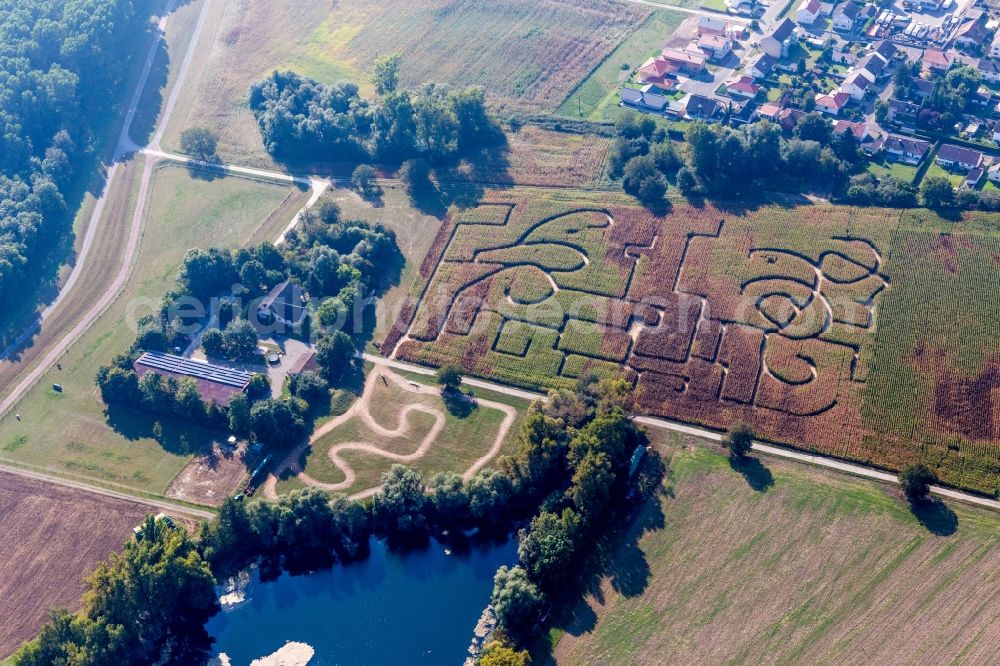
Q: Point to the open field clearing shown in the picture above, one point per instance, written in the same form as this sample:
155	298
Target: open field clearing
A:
596	98
527	54
826	328
543	157
69	432
53	538
816	568
400	419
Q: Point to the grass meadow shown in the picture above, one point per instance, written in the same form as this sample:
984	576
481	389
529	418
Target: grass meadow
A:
800	564
69	432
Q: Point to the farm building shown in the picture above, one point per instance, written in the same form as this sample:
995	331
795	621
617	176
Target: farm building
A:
215	382
303	363
284	306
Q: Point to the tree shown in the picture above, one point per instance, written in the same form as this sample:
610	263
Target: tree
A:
416	177
364	180
739	441
385	73
496	653
278	423
239	413
591	484
916	480
398	508
686	181
936	193
213	343
548	547
814	127
311	387
449	498
199	142
517	602
449	378
643	179
334	355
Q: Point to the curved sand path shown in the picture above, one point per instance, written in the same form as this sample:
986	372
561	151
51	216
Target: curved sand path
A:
360	409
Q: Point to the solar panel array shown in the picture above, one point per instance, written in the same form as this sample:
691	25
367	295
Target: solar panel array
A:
185	366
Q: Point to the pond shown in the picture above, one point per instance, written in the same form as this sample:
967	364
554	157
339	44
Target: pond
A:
392	608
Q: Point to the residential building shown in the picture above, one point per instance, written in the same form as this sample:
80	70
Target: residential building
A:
996	133
716	47
994	173
215	382
303	363
655	69
936	61
699	107
990	69
995	46
789	118
859	130
973	32
958	157
871	66
905	148
832	102
931	5
922	88
780	40
808	12
769	111
744	7
284	307
708	25
856	85
886	49
973	178
688	62
742	112
762	66
742	87
902	112
643	100
845	15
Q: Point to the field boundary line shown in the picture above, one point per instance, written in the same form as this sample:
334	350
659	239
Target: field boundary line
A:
827	462
135	496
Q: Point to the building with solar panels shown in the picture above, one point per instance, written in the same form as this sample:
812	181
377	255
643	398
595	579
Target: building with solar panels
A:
215	382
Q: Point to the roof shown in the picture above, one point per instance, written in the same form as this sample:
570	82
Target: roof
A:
711	23
764	63
769	110
923	85
305	362
935	59
905	144
974	30
640	98
885	49
857	129
704	107
833	99
687	57
988	66
848	10
285	300
857	80
714	42
745	85
960	154
811	6
784	30
215	382
873	63
974	176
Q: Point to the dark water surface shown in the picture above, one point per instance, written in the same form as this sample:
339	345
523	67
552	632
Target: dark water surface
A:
393	608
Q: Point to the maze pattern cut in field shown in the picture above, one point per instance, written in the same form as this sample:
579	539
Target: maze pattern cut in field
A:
767	317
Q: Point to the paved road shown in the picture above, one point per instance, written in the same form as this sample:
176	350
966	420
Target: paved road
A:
767	449
688	10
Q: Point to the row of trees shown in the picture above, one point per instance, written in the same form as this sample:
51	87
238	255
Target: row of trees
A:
301	119
60	63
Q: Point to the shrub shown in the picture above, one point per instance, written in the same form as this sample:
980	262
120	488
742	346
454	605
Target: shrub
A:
916	481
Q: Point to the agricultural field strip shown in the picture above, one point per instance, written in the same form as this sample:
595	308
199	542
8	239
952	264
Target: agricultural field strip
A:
166	505
689	10
665	424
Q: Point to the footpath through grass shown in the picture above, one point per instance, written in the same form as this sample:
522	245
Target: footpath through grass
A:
800	564
68	432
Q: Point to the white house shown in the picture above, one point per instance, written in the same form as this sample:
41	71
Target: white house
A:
780	40
761	66
808	12
716	47
845	15
994	173
856	85
995	47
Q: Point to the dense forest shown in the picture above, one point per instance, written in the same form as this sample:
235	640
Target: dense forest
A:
60	63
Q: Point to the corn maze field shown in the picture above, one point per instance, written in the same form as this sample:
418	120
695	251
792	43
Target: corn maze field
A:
851	332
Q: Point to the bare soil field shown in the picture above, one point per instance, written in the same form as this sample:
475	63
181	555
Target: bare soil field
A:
528	54
790	564
211	476
53	537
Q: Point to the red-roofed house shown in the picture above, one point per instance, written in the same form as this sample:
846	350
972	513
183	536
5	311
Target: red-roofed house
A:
832	102
655	70
859	130
685	61
937	61
743	87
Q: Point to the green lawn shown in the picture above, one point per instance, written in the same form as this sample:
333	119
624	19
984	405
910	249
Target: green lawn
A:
903	172
463	440
792	562
69	432
937	170
596	98
714	5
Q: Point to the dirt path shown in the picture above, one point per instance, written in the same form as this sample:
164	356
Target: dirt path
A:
360	409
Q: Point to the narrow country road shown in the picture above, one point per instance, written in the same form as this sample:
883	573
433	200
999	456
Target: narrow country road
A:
767	449
689	10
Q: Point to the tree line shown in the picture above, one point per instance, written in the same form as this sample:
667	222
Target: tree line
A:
60	63
301	119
